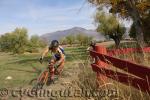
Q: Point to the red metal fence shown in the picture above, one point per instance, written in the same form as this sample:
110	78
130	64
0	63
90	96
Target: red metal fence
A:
137	75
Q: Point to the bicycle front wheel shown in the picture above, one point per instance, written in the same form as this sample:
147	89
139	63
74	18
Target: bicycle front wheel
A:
41	81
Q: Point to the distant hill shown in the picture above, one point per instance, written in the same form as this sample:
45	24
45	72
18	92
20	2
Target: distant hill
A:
75	30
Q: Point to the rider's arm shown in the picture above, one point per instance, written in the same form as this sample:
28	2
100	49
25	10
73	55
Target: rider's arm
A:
62	57
45	52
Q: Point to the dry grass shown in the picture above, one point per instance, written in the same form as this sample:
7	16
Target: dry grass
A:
87	80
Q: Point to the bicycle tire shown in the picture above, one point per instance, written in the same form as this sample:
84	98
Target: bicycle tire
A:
38	86
32	81
40	81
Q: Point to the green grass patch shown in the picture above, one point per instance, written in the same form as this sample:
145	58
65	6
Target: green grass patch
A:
20	67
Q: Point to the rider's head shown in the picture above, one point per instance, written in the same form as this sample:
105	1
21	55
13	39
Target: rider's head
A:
54	45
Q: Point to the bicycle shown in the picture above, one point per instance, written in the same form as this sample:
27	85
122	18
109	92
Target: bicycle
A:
44	77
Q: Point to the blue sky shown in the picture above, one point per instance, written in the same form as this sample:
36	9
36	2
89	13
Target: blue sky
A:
43	16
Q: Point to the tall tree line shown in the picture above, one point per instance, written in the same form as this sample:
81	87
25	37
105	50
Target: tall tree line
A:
19	42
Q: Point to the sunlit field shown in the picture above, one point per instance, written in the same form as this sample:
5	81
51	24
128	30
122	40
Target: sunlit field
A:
22	69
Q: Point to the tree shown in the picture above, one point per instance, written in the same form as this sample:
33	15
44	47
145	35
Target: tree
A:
87	40
43	42
20	40
63	40
70	39
83	39
134	9
146	27
80	38
33	44
6	41
110	26
14	41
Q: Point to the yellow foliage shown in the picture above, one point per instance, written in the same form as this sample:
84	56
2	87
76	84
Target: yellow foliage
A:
142	7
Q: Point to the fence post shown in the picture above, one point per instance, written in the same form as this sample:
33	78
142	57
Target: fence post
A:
101	79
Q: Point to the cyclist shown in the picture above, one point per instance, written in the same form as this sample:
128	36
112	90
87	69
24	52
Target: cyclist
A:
58	57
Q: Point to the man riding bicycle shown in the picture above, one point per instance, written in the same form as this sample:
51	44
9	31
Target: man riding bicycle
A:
58	57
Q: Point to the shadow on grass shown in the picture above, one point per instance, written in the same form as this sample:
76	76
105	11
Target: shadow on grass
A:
35	70
69	57
28	60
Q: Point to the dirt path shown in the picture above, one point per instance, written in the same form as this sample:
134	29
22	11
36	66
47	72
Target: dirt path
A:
60	90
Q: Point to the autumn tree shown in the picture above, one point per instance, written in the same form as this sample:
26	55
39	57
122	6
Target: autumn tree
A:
135	9
146	27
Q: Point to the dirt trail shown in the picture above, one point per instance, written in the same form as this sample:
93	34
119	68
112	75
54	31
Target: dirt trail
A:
62	86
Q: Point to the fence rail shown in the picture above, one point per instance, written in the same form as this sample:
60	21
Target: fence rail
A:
137	75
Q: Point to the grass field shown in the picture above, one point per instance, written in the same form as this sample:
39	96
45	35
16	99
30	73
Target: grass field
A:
21	69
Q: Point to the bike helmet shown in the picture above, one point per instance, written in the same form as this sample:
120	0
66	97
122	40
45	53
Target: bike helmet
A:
54	44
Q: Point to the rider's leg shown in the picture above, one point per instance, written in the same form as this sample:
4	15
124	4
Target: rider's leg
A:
52	69
60	67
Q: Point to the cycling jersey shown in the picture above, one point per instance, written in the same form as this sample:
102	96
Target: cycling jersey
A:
57	54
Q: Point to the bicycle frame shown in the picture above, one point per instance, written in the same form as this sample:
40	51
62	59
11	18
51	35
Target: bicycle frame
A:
43	76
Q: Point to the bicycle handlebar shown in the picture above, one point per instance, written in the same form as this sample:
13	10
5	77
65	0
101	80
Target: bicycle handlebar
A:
41	61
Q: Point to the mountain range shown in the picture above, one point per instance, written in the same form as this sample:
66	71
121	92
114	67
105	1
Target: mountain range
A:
73	31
